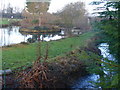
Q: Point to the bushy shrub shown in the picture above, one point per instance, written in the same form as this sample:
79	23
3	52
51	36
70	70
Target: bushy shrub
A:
35	21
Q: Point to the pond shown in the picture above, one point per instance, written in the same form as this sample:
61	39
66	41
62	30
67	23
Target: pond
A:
11	35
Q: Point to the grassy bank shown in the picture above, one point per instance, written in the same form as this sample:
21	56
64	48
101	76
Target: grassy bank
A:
7	21
20	55
4	21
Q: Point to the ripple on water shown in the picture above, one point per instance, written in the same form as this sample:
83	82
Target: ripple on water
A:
84	82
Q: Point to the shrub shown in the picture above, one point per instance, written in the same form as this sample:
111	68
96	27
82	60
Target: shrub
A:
35	21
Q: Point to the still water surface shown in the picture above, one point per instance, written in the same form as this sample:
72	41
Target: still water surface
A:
11	35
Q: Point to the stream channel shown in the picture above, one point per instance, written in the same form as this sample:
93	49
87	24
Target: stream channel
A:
84	82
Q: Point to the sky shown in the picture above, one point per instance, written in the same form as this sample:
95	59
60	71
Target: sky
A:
59	4
14	3
55	5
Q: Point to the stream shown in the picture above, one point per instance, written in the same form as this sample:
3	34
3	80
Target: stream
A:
84	82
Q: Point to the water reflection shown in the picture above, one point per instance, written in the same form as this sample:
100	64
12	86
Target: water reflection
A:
104	47
84	82
11	35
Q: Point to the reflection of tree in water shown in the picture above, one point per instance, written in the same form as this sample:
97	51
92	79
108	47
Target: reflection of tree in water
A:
41	36
9	30
24	37
33	39
4	37
16	30
34	36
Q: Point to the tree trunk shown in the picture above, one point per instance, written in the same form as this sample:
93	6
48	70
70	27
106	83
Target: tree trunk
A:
39	20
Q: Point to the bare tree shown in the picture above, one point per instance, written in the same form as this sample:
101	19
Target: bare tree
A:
9	9
74	15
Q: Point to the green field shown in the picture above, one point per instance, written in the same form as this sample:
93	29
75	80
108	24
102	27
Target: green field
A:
6	21
20	55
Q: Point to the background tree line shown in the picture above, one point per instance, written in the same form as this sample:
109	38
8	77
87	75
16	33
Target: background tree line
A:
72	15
11	12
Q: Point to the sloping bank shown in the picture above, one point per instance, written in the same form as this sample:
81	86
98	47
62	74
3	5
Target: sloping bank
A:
68	59
9	22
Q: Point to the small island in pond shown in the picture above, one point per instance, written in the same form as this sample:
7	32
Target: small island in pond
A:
40	29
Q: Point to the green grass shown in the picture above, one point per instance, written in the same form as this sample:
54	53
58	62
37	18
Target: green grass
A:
4	21
17	56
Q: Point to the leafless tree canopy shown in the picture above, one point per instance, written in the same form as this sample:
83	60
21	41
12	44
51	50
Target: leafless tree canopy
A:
74	15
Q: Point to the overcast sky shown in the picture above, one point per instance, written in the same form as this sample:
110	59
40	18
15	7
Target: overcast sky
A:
59	4
54	6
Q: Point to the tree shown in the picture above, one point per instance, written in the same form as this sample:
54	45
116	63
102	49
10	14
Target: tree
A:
51	19
37	8
9	9
109	27
74	15
27	21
